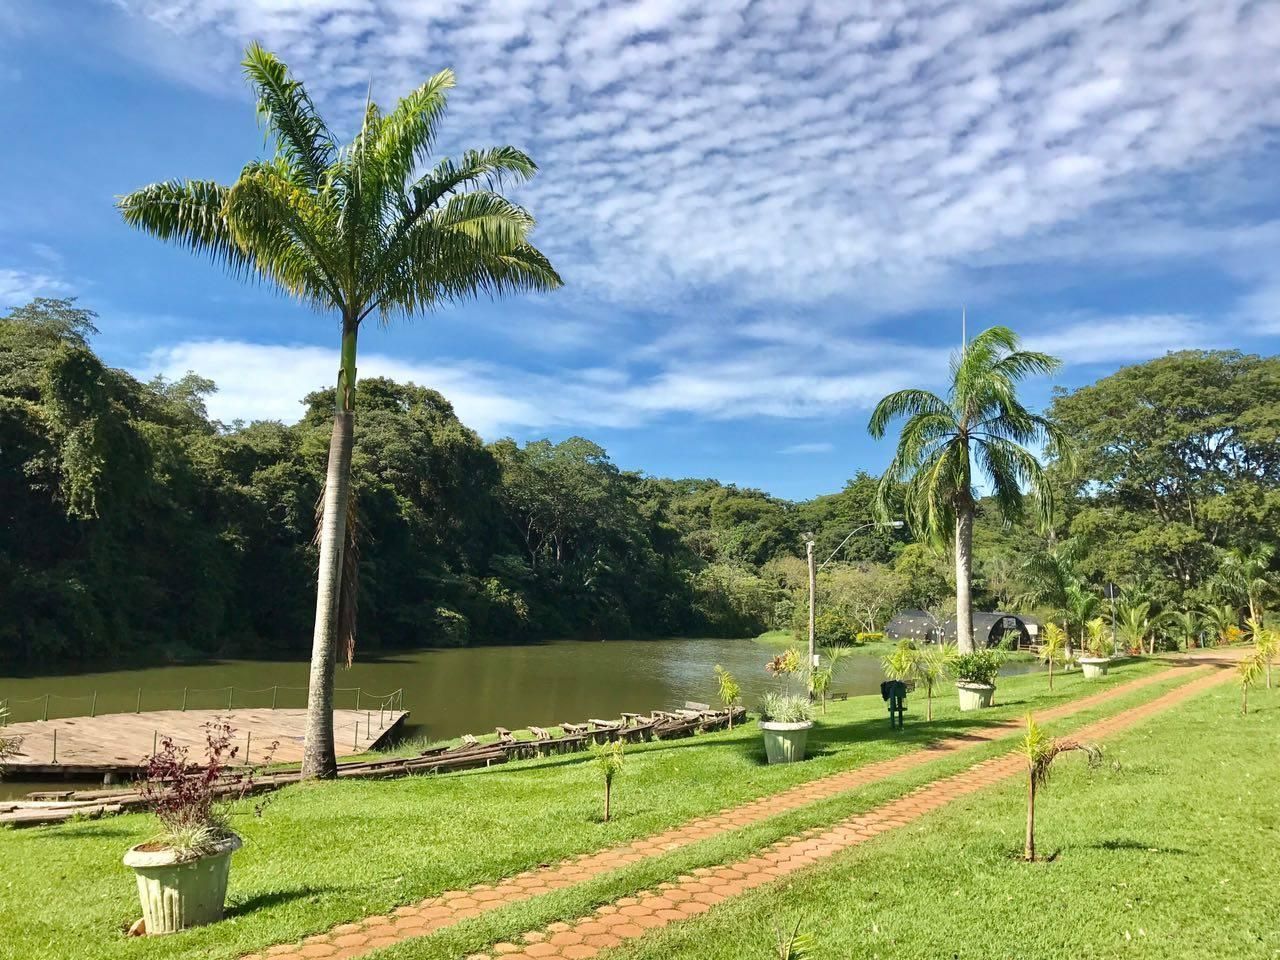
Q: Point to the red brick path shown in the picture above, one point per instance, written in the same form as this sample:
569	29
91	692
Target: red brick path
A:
435	913
629	917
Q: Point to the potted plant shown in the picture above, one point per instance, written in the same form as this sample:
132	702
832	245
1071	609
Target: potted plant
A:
785	716
976	678
1097	648
182	871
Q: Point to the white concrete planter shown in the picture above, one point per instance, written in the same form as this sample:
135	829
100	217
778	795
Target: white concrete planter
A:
785	742
177	894
1094	667
975	696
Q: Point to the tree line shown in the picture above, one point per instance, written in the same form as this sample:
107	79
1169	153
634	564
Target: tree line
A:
136	525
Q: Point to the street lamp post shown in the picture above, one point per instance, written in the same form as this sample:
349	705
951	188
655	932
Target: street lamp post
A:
813	578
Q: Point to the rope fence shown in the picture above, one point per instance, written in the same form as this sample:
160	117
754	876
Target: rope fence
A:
56	706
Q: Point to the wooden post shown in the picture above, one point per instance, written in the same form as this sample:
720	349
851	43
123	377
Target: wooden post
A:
274	690
231	694
93	705
55	744
248	740
138	707
355	740
184	699
155	741
46	707
359	690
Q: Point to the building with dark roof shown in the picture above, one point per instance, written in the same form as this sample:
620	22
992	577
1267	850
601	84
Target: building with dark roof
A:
990	628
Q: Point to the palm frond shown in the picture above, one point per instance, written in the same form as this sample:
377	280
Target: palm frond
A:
405	135
905	403
191	213
285	108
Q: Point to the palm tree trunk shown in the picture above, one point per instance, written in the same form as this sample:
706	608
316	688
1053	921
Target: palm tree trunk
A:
964	577
1244	699
319	758
928	704
1051	676
608	789
1029	850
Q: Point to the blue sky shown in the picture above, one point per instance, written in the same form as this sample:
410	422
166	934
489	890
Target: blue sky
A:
768	213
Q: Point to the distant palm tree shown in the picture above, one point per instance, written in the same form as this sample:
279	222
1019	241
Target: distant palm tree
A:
1082	607
1219	618
1245	576
1185	625
1053	579
353	232
1136	625
981	424
1249	670
1266	643
1040	750
1053	647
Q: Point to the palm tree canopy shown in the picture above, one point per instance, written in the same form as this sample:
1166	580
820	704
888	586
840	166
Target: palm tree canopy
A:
1040	749
350	228
980	428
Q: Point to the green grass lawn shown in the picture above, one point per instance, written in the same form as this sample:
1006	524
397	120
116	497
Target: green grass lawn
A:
326	853
1167	851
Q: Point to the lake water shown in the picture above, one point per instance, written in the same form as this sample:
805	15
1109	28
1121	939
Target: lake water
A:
448	692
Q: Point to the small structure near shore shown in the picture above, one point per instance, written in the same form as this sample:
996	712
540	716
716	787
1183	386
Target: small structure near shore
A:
992	628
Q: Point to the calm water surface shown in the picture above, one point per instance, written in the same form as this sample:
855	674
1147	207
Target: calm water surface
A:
448	692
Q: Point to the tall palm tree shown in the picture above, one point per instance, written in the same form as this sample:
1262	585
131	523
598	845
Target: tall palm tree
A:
981	424
353	231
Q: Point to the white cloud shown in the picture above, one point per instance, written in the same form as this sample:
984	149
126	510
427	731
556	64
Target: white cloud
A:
797	371
18	287
791	151
1116	340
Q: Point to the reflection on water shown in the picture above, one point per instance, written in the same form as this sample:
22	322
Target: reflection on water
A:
450	692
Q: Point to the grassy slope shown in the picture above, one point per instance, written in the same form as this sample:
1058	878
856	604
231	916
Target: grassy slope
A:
1168	854
332	852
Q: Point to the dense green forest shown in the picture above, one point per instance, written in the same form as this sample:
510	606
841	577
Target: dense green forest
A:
136	525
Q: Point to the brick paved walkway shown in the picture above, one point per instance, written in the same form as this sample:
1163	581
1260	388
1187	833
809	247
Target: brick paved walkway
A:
428	916
694	894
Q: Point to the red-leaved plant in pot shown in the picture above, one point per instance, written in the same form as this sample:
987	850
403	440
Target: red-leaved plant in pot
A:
182	871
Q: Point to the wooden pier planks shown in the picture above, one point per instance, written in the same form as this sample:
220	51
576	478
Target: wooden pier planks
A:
116	743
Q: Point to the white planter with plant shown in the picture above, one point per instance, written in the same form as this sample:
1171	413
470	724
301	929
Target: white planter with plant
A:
976	678
785	715
182	872
785	720
1097	648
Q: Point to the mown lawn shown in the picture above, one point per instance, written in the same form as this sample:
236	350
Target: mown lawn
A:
1169	850
326	853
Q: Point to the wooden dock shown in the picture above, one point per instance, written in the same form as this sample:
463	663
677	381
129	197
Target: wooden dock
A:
116	744
48	807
